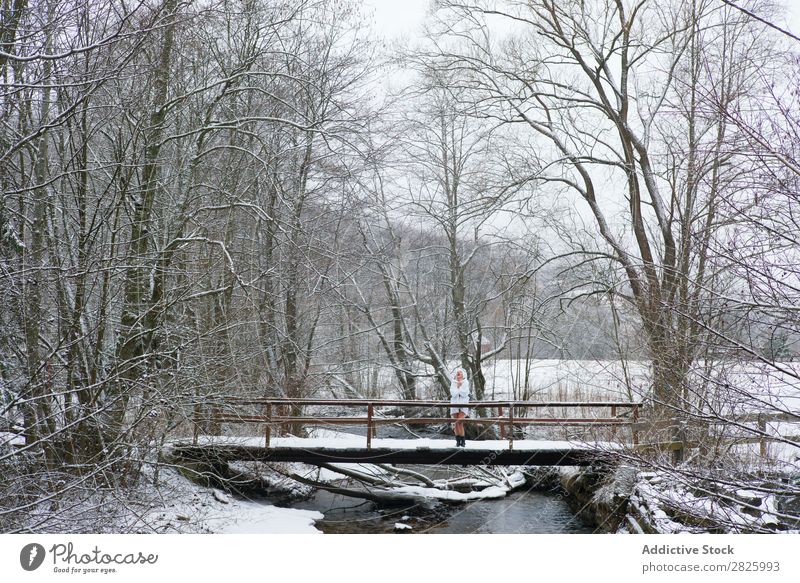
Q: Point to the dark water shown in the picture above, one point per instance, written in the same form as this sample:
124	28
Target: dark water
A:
525	511
521	512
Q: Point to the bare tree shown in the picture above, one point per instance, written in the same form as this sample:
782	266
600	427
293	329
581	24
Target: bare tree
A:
613	94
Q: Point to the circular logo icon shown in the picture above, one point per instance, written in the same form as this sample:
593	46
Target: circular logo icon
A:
31	556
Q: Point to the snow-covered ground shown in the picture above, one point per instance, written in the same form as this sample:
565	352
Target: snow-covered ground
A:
256	517
11	439
187	507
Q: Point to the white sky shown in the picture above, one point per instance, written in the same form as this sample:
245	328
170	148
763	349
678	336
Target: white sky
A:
399	21
395	19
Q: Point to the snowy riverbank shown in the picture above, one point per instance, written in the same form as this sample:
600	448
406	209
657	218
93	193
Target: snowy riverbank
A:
188	507
631	500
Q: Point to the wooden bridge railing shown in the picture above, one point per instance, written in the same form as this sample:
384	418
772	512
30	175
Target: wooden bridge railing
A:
505	414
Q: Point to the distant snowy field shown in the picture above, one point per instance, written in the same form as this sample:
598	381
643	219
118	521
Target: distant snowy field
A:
723	388
617	380
566	379
731	387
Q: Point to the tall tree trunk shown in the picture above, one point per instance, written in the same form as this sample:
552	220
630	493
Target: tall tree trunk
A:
139	315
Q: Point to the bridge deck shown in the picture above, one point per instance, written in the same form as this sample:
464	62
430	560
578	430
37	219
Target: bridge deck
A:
395	451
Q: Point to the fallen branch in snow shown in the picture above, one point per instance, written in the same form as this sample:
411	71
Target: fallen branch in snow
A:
410	473
356	475
376	496
386	492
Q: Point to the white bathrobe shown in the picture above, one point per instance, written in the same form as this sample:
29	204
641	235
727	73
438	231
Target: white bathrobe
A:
459	395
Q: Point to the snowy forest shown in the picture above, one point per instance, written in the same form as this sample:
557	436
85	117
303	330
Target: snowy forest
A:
267	198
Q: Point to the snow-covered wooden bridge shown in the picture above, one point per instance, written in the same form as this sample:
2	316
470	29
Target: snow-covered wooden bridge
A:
615	423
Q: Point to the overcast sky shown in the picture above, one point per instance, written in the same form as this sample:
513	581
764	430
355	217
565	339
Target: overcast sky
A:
396	18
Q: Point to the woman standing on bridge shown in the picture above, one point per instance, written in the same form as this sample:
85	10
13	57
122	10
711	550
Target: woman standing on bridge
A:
459	394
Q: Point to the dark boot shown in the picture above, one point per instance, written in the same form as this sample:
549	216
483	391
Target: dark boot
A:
463	441
458	441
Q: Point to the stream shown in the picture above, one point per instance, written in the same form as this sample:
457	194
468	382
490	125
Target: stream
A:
524	511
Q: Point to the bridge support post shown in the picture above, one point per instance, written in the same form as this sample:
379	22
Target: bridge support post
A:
268	430
501	424
369	426
510	426
635	432
762	440
613	416
196	422
678	430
